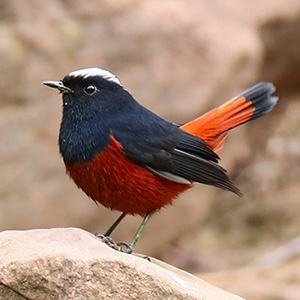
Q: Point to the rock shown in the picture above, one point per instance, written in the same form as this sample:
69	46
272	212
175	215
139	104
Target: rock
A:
72	264
178	58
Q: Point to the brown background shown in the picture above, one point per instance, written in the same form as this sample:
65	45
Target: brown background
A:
180	59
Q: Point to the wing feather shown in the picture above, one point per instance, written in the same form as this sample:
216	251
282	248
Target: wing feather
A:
180	157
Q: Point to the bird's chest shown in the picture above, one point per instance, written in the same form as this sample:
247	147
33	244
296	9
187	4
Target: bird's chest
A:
116	182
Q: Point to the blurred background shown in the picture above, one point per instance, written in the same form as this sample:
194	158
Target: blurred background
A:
178	58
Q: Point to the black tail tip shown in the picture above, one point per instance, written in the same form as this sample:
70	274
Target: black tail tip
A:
261	97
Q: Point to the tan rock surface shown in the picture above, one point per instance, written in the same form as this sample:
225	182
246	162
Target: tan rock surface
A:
72	264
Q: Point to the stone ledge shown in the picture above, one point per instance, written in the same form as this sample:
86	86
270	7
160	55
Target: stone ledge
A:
69	263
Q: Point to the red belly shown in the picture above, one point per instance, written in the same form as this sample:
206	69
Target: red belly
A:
118	183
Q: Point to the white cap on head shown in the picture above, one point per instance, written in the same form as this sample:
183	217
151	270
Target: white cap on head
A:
90	72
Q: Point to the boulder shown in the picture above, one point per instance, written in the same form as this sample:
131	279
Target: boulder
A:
69	263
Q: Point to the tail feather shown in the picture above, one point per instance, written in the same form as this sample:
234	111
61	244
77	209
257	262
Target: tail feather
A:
249	105
261	97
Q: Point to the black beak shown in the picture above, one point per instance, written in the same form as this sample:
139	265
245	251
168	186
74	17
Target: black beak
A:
58	85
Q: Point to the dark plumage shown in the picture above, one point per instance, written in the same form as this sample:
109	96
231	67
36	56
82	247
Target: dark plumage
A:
129	159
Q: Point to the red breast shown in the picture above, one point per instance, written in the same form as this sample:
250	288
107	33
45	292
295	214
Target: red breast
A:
120	184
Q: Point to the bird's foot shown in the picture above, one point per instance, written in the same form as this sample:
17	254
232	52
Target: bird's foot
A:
121	247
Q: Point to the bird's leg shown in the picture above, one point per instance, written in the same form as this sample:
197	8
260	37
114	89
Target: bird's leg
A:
106	236
123	247
114	225
139	231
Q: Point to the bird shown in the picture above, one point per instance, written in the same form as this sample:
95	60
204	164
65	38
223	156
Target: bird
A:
129	159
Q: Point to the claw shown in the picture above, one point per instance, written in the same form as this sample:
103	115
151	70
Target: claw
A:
125	248
142	256
121	247
108	241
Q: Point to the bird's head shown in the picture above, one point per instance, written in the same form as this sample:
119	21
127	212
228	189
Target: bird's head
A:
93	101
91	90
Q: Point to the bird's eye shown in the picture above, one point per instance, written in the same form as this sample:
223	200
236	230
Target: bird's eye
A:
90	89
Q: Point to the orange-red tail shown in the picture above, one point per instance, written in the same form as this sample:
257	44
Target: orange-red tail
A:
249	105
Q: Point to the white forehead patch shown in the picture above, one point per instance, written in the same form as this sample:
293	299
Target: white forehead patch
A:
91	72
